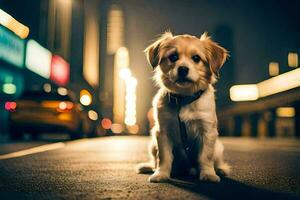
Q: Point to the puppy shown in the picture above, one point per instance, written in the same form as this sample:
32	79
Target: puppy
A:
185	69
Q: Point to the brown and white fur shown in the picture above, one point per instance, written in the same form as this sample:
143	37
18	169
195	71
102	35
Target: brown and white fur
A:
201	58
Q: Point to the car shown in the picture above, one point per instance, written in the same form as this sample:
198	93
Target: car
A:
36	112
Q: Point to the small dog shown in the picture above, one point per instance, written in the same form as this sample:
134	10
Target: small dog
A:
185	69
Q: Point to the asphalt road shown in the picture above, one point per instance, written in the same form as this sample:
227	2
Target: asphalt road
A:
103	168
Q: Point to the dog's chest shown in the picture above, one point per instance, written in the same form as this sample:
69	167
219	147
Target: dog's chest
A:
191	120
197	115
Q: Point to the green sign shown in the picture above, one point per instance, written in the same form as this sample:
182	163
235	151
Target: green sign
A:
11	83
12	48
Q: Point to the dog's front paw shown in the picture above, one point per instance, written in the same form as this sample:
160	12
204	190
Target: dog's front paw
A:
223	169
204	176
158	177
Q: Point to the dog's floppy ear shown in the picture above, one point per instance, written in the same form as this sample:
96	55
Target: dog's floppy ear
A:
216	54
152	51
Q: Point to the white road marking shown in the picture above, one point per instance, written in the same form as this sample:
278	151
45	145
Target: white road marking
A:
39	149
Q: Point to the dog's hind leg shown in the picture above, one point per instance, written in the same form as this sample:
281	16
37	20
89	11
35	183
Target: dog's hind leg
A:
149	167
221	167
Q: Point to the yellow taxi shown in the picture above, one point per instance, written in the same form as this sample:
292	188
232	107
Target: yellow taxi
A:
38	112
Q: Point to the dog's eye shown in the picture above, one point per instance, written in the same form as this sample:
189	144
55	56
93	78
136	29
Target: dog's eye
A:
173	57
196	58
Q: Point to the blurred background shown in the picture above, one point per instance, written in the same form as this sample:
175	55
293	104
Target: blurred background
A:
78	66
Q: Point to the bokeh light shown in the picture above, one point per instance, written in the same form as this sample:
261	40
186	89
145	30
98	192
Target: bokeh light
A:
130	99
47	87
117	128
133	129
285	112
10	106
273	68
85	97
93	115
106	123
293	59
62	105
9	88
62	91
124	73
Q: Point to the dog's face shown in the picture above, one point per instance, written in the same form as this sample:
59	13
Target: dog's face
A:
185	64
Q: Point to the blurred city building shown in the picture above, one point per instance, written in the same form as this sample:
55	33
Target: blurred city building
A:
103	43
42	48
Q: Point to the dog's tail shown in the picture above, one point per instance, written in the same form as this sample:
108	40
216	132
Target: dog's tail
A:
145	168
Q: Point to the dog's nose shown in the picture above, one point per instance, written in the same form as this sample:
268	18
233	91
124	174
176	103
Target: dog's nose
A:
183	71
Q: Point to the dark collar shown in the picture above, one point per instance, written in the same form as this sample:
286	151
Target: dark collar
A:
179	100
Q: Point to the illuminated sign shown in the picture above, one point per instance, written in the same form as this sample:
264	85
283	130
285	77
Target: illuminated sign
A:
244	92
38	59
12	48
280	83
9	22
274	85
60	70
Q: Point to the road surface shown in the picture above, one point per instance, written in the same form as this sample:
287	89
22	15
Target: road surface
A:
103	168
